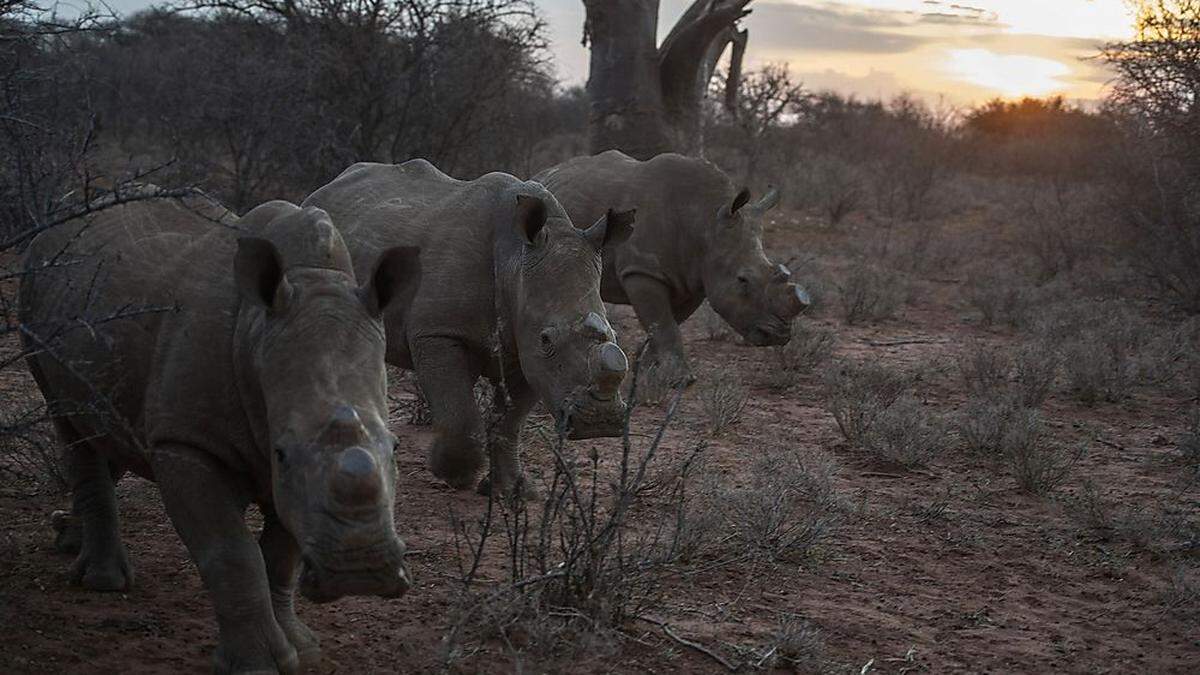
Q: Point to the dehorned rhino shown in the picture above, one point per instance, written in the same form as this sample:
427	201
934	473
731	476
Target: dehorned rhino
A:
696	237
230	362
510	290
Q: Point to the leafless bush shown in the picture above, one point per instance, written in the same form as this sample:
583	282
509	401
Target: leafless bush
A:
907	433
810	348
797	646
575	554
984	370
1100	360
1035	366
871	293
1013	436
723	398
858	395
833	185
1000	298
1059	225
788	505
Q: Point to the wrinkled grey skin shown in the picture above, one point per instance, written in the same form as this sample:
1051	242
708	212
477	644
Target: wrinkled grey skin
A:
263	382
500	259
696	237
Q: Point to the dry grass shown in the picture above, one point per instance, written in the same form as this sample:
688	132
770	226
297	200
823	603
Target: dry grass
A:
876	411
787	506
1013	437
857	395
870	293
723	398
810	348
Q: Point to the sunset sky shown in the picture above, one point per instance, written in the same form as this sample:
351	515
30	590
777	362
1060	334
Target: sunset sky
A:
964	50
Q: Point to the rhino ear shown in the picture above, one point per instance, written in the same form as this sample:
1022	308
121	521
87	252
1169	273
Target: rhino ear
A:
613	227
395	280
259	273
742	198
530	218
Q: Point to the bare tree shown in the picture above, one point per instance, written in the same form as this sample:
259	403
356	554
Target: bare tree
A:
760	105
1157	92
646	98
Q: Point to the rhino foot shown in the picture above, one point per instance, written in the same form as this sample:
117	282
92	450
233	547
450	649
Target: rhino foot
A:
107	571
304	641
68	533
520	488
252	659
456	459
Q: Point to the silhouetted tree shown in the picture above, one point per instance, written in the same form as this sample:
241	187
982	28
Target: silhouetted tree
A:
646	98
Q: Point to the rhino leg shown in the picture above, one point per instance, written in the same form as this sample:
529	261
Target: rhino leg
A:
447	379
68	532
207	504
281	555
651	300
102	563
504	452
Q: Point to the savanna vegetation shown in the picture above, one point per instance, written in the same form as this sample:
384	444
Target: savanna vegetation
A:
980	450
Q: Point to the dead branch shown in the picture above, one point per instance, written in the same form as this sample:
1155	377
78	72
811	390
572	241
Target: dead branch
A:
731	667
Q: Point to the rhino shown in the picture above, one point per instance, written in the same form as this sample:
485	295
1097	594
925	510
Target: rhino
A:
697	237
230	361
510	290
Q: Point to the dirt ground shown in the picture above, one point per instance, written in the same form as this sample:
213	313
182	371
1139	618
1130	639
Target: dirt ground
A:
949	569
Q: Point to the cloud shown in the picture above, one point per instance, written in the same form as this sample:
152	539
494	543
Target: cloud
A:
833	27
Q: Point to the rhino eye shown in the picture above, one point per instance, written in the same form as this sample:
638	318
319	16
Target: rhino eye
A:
280	456
547	342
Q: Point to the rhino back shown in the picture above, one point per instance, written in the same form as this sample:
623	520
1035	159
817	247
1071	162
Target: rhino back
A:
379	206
134	307
676	198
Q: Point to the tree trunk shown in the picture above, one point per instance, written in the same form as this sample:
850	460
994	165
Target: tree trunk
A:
647	99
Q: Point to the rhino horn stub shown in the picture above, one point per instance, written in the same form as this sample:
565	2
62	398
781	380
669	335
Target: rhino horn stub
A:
608	370
612	359
356	478
800	299
596	326
346	428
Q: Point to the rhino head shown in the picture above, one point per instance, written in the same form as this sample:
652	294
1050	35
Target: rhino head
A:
755	296
318	361
567	348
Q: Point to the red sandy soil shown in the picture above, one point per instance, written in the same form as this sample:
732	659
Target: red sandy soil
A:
997	582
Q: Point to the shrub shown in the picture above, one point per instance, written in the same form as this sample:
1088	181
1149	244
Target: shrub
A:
1035	366
810	347
836	186
724	399
787	505
1101	360
871	293
984	370
906	433
999	298
1010	435
858	395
